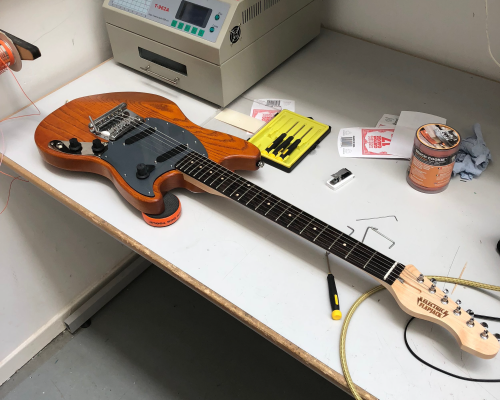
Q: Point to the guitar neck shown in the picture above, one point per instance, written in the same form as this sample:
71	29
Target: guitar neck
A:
277	210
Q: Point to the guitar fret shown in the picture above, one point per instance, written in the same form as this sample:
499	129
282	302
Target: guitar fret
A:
222	179
245	192
253	197
369	260
293	219
335	241
309	223
286	209
351	251
231	185
272	207
238	188
187	169
263	202
187	162
326	226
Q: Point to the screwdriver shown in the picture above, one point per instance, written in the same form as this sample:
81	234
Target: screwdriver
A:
279	139
293	146
283	145
332	290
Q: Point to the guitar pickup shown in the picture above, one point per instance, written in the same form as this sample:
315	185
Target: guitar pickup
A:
115	123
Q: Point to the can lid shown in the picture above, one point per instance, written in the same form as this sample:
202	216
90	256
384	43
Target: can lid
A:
438	136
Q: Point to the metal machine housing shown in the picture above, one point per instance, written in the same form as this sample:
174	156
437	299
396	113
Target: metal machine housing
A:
242	41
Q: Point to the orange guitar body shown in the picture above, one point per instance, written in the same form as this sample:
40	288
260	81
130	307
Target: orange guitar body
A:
72	120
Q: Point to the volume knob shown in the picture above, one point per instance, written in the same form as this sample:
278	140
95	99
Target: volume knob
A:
97	146
74	145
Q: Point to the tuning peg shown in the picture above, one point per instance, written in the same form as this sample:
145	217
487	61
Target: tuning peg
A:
458	302
457	311
444	300
420	278
445	291
497	336
470	322
432	289
484	334
470	312
484	324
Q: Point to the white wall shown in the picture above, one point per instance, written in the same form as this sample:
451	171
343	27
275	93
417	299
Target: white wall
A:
49	256
71	36
450	32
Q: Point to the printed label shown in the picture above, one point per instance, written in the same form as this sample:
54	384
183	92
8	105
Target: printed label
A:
376	141
431	172
432	308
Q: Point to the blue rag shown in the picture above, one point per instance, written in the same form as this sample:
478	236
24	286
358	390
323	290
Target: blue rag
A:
473	156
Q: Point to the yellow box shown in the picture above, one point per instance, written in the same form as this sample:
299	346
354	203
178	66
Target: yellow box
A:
296	127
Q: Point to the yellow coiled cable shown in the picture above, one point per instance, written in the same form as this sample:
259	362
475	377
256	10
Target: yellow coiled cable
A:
343	333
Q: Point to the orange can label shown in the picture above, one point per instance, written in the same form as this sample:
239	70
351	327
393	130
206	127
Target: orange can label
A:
430	172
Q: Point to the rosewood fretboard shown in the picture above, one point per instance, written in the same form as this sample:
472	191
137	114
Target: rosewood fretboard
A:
290	217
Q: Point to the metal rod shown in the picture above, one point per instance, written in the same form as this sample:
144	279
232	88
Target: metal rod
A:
328	262
387	216
381	234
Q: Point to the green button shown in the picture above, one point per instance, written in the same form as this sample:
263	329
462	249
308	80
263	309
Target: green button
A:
217	17
201	32
174	23
194	30
181	25
187	28
212	29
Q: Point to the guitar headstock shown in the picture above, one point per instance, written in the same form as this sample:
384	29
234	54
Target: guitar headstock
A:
420	297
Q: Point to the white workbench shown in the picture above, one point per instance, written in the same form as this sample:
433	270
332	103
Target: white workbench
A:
280	279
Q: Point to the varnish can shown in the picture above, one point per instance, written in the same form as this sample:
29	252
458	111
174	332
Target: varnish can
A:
434	152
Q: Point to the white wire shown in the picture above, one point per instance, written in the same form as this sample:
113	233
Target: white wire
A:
488	35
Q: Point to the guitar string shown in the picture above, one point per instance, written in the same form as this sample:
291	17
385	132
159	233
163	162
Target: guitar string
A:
194	153
325	234
145	135
202	158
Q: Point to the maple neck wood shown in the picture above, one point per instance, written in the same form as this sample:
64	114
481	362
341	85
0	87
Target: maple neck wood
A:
231	185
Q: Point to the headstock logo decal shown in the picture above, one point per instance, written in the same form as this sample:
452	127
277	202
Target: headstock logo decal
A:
432	308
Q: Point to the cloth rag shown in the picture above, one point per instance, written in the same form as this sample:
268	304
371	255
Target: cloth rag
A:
473	156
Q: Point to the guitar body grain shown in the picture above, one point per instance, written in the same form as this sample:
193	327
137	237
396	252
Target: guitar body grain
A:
72	119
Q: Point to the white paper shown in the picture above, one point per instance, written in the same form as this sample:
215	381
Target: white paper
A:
388	120
266	109
366	142
404	134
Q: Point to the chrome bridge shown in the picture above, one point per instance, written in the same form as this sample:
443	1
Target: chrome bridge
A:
115	123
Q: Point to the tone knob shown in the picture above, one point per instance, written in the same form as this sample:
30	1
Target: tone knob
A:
142	171
484	324
97	146
74	145
420	278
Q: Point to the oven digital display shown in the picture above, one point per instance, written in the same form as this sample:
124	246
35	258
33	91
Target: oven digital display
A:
193	14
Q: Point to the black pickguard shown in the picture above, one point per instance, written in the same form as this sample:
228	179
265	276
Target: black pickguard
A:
167	146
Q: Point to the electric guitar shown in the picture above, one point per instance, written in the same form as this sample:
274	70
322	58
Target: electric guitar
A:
146	146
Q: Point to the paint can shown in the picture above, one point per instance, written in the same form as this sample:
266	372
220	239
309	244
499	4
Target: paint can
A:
435	149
